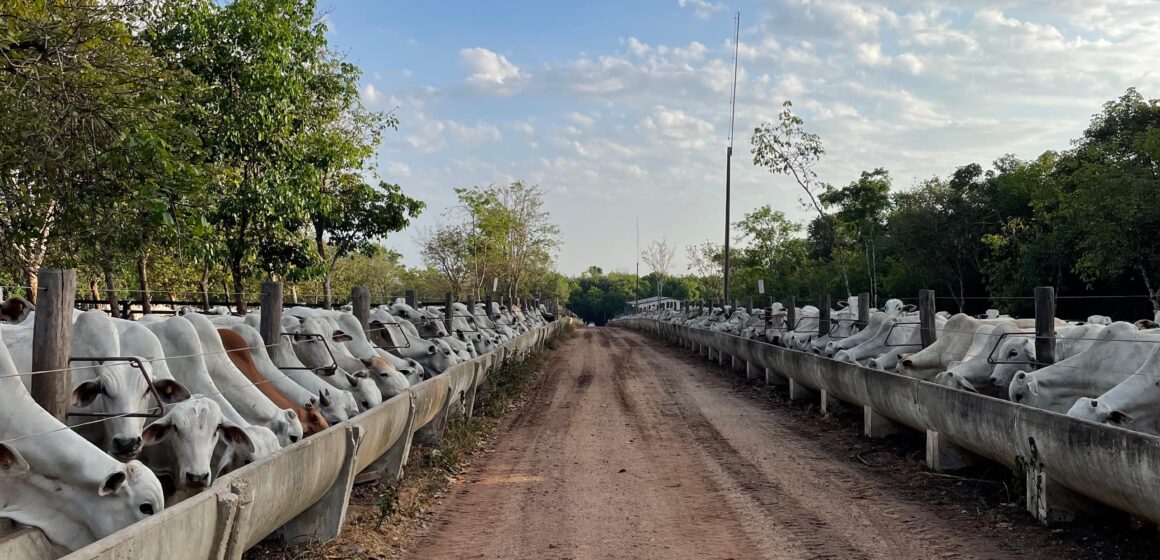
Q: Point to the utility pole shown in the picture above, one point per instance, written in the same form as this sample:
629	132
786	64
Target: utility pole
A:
729	150
635	297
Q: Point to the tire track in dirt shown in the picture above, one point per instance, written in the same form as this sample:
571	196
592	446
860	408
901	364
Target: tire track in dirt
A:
630	450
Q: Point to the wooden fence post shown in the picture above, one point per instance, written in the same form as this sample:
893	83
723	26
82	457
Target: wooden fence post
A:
412	300
270	323
52	339
447	312
824	315
863	309
487	306
1044	326
926	316
360	302
790	313
471	307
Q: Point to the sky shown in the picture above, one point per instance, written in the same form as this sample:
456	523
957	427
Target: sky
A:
620	110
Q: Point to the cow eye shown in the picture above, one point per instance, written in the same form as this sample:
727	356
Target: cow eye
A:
147	509
1012	354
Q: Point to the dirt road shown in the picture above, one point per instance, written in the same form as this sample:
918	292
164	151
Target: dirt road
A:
634	450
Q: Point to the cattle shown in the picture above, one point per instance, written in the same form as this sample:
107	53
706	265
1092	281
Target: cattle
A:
15	309
799	335
319	396
399	336
1018	352
391	381
32	499
240	354
953	341
973	372
102	386
185	358
321	354
1114	355
1131	404
181	443
428	327
337	405
58	472
247	399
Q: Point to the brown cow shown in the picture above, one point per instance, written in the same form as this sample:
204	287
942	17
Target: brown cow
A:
239	353
15	309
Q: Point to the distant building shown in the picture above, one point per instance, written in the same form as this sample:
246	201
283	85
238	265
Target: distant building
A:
653	303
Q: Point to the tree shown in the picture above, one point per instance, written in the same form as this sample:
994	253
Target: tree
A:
513	230
659	258
765	231
706	261
1110	190
447	249
263	62
786	148
861	216
85	132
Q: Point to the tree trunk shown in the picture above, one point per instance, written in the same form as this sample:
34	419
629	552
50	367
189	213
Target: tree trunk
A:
111	293
203	286
326	291
143	283
94	289
33	283
239	296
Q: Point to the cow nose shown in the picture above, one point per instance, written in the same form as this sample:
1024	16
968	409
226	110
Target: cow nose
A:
197	480
126	444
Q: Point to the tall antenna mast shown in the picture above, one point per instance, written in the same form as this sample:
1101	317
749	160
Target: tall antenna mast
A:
729	150
637	258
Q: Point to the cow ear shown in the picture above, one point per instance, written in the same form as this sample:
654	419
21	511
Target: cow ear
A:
340	336
367	361
156	432
171	391
301	337
353	379
112	484
10	460
1118	417
309	405
322	400
234	435
85	393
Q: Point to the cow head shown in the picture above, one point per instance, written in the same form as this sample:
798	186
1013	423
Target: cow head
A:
313	421
192	429
388	379
120	389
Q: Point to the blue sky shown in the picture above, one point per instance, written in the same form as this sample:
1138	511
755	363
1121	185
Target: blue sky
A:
620	109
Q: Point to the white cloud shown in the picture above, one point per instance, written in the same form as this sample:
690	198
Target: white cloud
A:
703	8
525	127
398	169
491	72
582	120
371	95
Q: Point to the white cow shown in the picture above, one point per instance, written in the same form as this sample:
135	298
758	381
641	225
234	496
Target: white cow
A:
1117	353
322	354
103	387
182	442
61	475
1133	403
184	356
1018	352
247	399
403	339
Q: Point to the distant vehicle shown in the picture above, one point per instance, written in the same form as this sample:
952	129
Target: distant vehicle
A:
591	324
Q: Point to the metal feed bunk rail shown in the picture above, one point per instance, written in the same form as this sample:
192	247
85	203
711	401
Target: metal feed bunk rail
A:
1072	466
301	492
